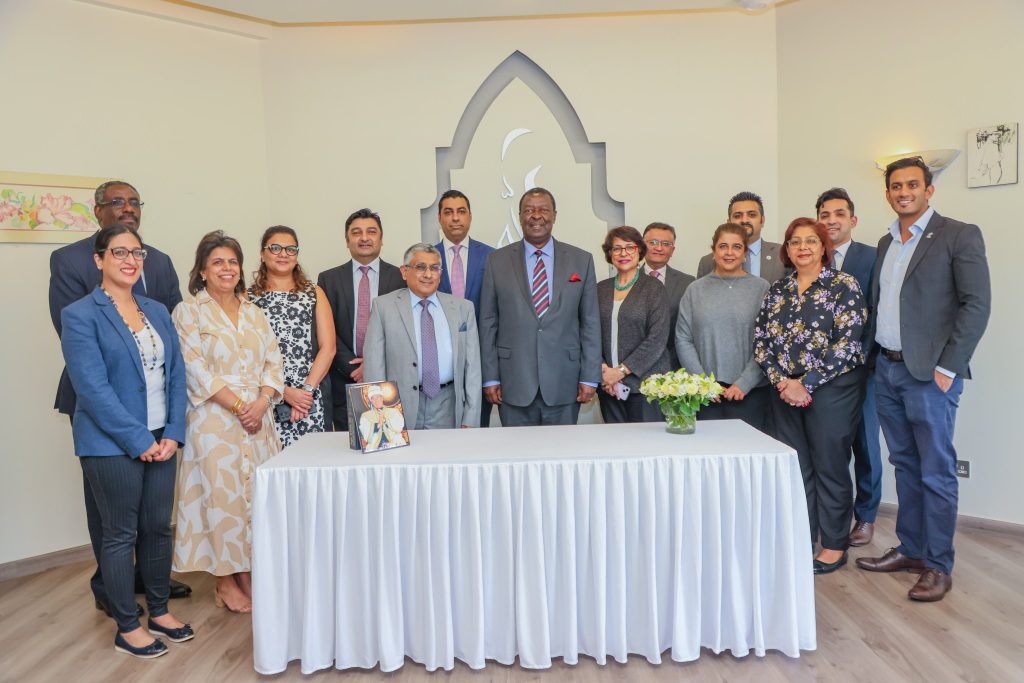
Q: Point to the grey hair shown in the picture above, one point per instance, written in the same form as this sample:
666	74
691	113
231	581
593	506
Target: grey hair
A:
101	190
419	248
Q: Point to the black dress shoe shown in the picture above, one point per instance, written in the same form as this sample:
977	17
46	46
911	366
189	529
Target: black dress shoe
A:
154	649
827	568
104	606
178	589
176	635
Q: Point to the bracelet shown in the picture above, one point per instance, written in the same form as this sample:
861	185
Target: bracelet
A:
270	401
237	407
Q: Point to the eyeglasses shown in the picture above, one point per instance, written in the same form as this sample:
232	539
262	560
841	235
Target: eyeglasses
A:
628	249
119	202
424	267
276	249
121	253
660	243
798	242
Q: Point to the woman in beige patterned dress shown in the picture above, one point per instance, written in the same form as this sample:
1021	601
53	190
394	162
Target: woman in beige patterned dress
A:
234	375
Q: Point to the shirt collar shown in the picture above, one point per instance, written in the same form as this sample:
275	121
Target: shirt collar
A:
374	265
843	248
916	229
548	249
663	271
448	244
823	279
415	300
755	247
203	297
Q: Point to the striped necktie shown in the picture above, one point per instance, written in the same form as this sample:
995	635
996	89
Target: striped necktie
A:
539	290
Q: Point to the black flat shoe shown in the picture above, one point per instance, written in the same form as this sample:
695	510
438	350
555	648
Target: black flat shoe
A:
826	568
177	588
175	635
154	649
104	606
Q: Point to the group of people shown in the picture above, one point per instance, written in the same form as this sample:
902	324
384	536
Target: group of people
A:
819	341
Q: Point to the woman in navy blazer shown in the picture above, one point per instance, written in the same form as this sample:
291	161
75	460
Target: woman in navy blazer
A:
124	360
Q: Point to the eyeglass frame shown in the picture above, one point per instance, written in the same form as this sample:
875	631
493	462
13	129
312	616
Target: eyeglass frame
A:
660	243
121	201
424	267
628	249
797	242
289	249
138	253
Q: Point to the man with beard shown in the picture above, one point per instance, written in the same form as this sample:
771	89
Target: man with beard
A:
763	257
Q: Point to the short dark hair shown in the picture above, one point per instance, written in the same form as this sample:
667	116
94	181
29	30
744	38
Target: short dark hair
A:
834	193
908	162
538	190
745	197
211	241
660	226
102	189
453	194
628	234
819	229
363	213
732	229
104	236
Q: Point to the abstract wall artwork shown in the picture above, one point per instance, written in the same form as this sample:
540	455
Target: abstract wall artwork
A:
992	155
46	208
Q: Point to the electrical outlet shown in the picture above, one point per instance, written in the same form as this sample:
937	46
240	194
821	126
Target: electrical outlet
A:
963	468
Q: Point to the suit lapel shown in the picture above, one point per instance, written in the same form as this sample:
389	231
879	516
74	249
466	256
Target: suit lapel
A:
446	282
561	275
518	268
403	304
110	312
348	296
451	314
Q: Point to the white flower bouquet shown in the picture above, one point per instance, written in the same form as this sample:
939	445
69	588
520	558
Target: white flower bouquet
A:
680	395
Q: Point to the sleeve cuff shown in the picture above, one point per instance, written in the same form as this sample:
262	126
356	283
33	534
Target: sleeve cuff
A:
944	371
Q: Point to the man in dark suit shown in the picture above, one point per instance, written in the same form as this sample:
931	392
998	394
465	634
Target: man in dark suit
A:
540	336
462	261
661	244
73	275
932	296
835	209
351	288
763	257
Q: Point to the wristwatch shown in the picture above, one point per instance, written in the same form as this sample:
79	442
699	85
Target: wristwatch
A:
308	387
623	369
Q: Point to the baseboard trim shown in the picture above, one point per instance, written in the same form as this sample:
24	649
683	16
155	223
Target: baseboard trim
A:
40	563
968	522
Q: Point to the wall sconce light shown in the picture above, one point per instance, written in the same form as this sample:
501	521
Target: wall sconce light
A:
934	159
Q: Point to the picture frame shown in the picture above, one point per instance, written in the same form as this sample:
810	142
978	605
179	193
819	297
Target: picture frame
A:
992	155
45	208
376	419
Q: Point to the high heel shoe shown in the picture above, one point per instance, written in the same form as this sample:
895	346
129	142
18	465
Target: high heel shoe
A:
151	651
175	635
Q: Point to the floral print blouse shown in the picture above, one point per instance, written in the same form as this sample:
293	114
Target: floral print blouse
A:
815	336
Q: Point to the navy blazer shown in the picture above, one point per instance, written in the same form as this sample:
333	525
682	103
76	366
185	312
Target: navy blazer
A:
478	252
73	275
103	361
860	263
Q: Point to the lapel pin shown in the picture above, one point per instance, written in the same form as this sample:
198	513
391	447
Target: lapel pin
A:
929	235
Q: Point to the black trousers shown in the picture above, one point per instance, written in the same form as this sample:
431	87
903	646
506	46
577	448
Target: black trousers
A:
634	409
822	435
755	409
134	500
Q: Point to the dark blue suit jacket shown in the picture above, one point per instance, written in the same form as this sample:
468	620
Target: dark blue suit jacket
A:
860	263
103	361
73	275
478	252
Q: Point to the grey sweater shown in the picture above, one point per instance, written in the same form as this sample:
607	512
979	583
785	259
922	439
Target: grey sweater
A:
715	328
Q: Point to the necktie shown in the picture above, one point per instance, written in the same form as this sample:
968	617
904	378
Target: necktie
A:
539	289
431	383
458	273
746	263
362	310
837	259
656	275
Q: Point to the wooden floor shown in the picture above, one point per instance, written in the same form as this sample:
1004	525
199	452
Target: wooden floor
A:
867	631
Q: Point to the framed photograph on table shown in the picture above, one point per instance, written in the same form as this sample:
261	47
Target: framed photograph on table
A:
45	208
376	420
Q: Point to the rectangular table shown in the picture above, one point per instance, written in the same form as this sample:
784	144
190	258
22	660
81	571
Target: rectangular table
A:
531	542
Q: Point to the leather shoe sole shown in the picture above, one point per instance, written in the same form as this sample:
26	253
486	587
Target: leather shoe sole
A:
827	568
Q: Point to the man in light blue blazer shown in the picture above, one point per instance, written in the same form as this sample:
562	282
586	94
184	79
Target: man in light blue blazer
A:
426	342
462	261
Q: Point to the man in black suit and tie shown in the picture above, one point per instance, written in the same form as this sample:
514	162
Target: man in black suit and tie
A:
661	244
835	209
462	261
351	288
763	257
540	331
932	296
73	275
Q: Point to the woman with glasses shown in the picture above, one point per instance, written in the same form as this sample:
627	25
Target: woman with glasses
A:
715	331
634	329
234	378
301	317
124	361
808	342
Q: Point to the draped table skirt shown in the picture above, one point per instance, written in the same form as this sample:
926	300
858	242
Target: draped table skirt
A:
531	542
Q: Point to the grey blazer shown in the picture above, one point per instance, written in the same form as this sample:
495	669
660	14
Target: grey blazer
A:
771	262
676	282
945	300
643	328
389	352
552	354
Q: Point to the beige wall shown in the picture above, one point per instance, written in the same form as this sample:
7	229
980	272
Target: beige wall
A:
860	79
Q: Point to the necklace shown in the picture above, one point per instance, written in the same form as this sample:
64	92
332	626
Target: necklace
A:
623	288
152	362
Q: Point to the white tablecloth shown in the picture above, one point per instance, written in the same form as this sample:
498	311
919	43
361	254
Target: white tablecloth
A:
536	542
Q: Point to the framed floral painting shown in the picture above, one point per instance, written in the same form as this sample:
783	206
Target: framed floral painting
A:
36	207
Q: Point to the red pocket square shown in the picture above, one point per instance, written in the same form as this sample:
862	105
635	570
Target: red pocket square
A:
575	277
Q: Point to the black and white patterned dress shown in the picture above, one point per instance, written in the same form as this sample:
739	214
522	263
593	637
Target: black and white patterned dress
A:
292	316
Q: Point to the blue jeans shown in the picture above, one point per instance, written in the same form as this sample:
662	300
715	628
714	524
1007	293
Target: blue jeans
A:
917	421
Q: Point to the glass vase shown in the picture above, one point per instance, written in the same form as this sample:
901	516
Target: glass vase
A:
679	418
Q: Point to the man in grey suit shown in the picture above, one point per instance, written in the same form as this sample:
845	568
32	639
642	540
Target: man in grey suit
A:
763	257
425	341
932	295
540	334
835	209
661	244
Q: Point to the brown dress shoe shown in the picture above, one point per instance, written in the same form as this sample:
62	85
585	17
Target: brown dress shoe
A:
892	561
862	534
932	586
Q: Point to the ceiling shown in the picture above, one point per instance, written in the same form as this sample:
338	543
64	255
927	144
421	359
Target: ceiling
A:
293	12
